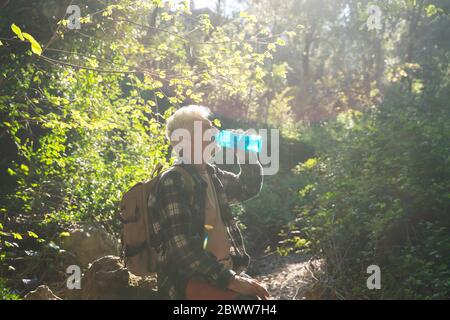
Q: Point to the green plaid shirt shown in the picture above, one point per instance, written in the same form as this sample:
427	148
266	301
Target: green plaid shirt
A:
178	226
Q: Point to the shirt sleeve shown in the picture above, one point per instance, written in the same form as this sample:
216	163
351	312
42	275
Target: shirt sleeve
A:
182	245
244	185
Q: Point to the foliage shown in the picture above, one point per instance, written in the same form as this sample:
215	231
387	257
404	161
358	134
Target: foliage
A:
268	213
82	119
5	293
380	196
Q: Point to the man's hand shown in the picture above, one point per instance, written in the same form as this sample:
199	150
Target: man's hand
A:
248	286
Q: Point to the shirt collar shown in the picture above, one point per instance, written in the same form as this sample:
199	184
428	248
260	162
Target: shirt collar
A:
193	172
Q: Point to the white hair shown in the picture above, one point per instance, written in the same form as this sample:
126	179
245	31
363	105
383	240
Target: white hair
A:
184	118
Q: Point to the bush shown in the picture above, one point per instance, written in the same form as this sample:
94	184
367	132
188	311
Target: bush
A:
379	195
266	214
5	293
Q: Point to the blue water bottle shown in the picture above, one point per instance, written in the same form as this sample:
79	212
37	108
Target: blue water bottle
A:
230	139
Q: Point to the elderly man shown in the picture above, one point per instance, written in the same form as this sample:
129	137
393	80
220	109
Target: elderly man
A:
201	253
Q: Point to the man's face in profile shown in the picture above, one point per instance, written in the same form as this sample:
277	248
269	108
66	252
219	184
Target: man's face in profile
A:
196	142
203	139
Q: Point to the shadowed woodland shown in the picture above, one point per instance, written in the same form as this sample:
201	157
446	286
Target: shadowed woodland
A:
360	95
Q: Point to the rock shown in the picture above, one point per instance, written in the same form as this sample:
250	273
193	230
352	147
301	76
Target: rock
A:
107	278
89	243
42	293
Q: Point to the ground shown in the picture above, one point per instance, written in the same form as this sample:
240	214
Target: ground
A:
286	277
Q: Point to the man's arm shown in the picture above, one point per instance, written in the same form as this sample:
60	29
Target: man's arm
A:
185	248
244	185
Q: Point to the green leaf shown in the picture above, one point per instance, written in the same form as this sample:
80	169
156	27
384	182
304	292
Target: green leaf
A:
24	168
281	42
32	234
430	10
17	236
17	31
271	46
35	46
64	234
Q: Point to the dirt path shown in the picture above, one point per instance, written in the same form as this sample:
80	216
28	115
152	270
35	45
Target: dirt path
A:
287	278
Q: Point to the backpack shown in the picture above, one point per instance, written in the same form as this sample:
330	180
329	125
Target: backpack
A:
137	236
